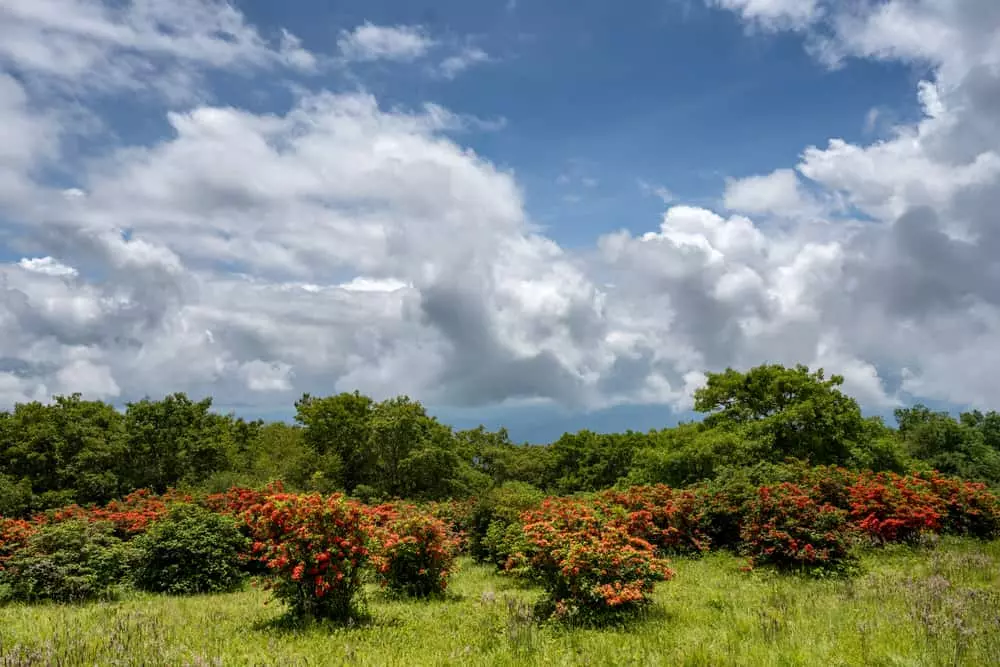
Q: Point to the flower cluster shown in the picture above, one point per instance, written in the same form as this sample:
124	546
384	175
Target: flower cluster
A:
786	527
587	559
14	534
315	549
413	552
669	519
131	516
237	500
894	508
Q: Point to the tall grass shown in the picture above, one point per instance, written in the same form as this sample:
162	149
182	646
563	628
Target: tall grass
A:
930	606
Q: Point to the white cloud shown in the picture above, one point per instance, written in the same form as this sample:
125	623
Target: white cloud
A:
774	14
468	57
369	42
102	45
47	266
341	244
778	193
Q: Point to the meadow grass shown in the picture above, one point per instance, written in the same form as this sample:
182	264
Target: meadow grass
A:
935	605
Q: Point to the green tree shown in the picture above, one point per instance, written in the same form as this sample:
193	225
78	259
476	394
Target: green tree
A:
338	431
792	412
171	440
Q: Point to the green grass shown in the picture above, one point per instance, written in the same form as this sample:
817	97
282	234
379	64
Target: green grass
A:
924	606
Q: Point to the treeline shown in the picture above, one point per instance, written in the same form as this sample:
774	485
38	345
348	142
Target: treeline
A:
78	451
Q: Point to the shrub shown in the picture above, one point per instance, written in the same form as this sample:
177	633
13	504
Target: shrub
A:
66	562
892	508
14	534
501	506
413	552
670	520
315	549
787	528
970	508
588	562
191	550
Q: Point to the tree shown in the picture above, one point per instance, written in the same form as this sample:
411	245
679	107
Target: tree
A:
338	430
793	412
414	453
964	447
170	440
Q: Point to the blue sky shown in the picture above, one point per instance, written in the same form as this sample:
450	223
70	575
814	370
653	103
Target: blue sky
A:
552	215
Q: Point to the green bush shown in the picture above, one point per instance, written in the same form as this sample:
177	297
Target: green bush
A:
497	510
191	550
66	562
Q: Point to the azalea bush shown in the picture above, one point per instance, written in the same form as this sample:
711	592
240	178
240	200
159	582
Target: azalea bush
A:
589	563
969	507
786	527
14	534
315	549
671	520
893	508
413	552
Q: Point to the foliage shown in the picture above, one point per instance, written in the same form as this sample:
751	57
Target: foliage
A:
66	562
791	412
191	550
493	513
315	549
413	552
786	527
589	563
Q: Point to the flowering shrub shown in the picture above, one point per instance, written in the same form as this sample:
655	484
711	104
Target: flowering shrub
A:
237	500
670	520
588	562
892	508
130	516
14	534
413	552
786	527
970	508
315	549
457	515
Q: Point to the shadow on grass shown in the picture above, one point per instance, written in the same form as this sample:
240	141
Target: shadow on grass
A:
289	624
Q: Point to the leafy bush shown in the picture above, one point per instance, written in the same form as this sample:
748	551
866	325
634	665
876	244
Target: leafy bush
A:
413	552
191	550
66	562
500	508
315	549
589	564
785	527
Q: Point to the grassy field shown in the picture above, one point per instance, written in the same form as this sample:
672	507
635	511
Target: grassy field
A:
928	606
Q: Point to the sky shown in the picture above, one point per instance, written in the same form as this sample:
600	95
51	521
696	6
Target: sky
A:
552	215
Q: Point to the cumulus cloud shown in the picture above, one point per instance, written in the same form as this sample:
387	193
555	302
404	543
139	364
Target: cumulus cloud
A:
778	193
343	244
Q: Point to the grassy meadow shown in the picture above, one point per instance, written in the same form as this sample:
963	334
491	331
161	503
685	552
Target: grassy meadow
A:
933	605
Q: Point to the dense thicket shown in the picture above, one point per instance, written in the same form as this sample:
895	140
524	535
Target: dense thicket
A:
77	451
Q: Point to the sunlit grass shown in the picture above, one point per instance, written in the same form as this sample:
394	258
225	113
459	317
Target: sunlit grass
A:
926	606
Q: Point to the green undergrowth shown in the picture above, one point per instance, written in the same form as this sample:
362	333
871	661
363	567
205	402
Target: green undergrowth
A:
932	605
